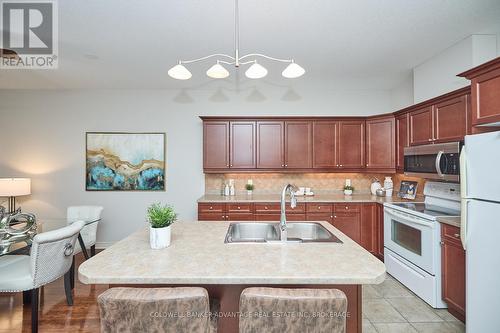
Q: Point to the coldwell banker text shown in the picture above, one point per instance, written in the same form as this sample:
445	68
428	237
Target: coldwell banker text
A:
29	35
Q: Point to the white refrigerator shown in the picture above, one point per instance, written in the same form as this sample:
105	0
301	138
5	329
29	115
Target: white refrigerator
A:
480	230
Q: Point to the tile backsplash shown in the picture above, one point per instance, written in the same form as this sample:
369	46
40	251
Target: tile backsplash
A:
318	182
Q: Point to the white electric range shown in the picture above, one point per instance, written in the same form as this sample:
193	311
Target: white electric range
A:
412	239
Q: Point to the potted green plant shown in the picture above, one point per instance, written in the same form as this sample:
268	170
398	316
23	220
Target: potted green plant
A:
160	218
249	188
348	190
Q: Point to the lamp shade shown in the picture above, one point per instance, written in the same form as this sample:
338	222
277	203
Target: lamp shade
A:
217	71
15	187
179	72
256	71
293	71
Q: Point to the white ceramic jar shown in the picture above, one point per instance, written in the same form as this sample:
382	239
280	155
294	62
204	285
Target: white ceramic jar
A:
388	185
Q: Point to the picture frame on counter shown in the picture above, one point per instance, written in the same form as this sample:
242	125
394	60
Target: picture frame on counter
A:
408	189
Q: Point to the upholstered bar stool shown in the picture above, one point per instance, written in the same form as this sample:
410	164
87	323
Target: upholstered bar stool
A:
183	309
279	310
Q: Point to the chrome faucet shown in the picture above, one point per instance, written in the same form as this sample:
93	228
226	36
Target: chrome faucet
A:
293	203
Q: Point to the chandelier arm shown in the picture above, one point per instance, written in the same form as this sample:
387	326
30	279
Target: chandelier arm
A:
207	57
226	62
266	56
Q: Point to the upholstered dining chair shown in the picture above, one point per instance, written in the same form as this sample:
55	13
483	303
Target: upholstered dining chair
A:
130	310
303	310
50	258
89	232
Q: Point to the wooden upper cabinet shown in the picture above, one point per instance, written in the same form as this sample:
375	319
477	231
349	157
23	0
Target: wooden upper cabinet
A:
270	144
421	126
216	144
298	144
450	120
380	143
402	139
485	93
325	144
242	147
351	144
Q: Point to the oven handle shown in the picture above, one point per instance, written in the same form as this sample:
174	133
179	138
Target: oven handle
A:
411	220
438	163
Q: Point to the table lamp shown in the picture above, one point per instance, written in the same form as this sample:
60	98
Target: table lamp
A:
14	187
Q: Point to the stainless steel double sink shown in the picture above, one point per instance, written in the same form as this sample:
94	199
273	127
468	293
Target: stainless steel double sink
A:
298	232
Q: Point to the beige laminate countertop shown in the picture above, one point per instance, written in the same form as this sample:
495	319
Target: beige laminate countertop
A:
450	220
331	197
198	255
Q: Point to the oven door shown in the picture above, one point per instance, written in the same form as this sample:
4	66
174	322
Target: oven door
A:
411	237
436	161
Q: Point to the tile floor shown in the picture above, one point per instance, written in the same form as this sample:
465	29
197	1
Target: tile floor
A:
391	308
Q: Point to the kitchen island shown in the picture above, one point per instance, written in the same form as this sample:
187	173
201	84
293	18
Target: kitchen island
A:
198	256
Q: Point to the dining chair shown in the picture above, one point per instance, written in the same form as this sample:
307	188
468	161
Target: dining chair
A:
89	232
50	258
279	310
179	309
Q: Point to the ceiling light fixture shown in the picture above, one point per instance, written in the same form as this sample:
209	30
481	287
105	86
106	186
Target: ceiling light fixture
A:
255	71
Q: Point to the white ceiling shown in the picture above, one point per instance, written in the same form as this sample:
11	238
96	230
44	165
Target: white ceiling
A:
132	44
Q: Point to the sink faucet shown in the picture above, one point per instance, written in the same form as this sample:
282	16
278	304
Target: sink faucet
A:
293	203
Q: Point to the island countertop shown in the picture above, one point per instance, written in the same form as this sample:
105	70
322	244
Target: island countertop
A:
198	255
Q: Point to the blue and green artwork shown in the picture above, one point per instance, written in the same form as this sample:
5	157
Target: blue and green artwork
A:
125	162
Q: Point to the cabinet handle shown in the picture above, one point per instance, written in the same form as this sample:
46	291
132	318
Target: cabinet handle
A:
227	165
337	165
319	207
265	208
341	165
282	165
430	140
334	216
239	207
441	243
211	208
346	207
286	165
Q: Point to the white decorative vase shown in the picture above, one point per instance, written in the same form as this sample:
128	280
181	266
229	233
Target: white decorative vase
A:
159	238
348	192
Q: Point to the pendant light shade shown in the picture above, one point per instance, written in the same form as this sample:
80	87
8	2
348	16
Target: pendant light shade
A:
256	71
217	71
293	71
179	72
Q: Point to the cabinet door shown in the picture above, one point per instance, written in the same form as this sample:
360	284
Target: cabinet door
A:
298	144
369	227
325	144
380	231
349	224
402	140
421	126
486	98
453	271
270	145
242	145
450	120
380	142
327	217
216	145
351	144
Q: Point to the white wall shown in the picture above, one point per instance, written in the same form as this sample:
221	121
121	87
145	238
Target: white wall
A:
402	94
437	75
42	136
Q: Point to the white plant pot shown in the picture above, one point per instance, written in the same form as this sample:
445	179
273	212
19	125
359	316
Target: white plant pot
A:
348	192
159	238
249	192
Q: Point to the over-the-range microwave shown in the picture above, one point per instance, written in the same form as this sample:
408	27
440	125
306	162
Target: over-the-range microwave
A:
434	161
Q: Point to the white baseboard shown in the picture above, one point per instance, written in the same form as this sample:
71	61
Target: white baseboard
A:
103	245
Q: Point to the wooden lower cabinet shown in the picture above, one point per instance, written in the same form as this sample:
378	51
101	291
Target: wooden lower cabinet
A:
380	231
349	224
369	228
453	270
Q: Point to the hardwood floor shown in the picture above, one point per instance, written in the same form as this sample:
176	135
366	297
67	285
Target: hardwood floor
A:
55	314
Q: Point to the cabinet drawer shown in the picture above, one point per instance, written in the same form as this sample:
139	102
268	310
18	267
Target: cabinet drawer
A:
319	208
240	207
240	217
267	208
319	217
451	233
296	217
211	217
273	217
211	208
348	208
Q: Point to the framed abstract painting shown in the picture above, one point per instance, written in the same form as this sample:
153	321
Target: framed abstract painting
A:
125	161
